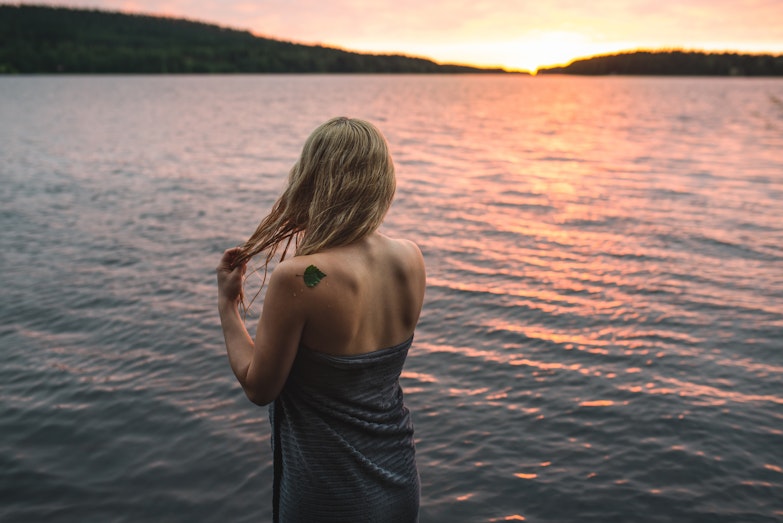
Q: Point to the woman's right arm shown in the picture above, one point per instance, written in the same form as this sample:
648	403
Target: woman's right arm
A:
262	365
239	344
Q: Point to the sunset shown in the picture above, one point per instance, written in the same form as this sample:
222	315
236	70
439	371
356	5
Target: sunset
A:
391	261
516	35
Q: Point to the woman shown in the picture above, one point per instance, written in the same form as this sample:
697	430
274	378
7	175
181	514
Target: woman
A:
337	321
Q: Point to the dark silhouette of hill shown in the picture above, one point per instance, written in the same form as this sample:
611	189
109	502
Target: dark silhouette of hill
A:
42	39
674	63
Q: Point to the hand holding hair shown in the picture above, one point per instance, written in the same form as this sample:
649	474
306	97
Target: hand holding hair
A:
230	275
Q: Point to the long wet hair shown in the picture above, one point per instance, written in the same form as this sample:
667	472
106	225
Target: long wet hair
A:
338	192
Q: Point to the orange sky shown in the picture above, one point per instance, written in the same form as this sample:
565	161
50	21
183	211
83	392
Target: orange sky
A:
514	34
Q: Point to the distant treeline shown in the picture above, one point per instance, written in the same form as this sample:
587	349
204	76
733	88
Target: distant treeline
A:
42	39
675	63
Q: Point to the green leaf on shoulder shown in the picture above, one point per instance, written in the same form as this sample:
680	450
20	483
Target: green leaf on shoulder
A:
313	275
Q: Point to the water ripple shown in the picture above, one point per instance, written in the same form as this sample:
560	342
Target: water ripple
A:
602	321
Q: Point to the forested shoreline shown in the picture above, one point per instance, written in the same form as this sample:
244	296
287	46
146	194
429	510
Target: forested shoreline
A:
674	63
43	39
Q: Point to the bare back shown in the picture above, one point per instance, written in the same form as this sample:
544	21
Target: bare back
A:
370	299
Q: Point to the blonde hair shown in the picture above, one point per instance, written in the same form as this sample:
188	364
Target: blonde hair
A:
338	192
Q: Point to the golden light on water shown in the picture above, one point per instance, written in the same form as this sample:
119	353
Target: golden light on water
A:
603	270
522	475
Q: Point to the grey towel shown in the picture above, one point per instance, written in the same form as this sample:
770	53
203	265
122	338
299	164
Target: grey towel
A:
343	440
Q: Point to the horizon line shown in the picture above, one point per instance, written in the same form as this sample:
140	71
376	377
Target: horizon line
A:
507	69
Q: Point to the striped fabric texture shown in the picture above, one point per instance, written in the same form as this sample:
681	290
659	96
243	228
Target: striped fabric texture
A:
343	440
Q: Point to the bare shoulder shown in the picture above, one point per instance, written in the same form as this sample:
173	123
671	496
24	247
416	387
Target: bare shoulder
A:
407	245
407	251
287	277
286	270
408	262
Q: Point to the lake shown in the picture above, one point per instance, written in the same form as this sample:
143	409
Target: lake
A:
602	337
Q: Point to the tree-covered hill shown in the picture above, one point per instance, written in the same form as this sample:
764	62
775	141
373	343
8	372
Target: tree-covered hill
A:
679	63
42	39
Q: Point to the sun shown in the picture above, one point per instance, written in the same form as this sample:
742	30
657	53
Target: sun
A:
543	49
526	52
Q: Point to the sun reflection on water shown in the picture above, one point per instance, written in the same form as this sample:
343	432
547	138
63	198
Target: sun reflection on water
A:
603	301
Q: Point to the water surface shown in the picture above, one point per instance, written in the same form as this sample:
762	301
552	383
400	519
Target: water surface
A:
601	339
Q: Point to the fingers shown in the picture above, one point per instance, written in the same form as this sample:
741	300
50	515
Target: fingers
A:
228	260
232	253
